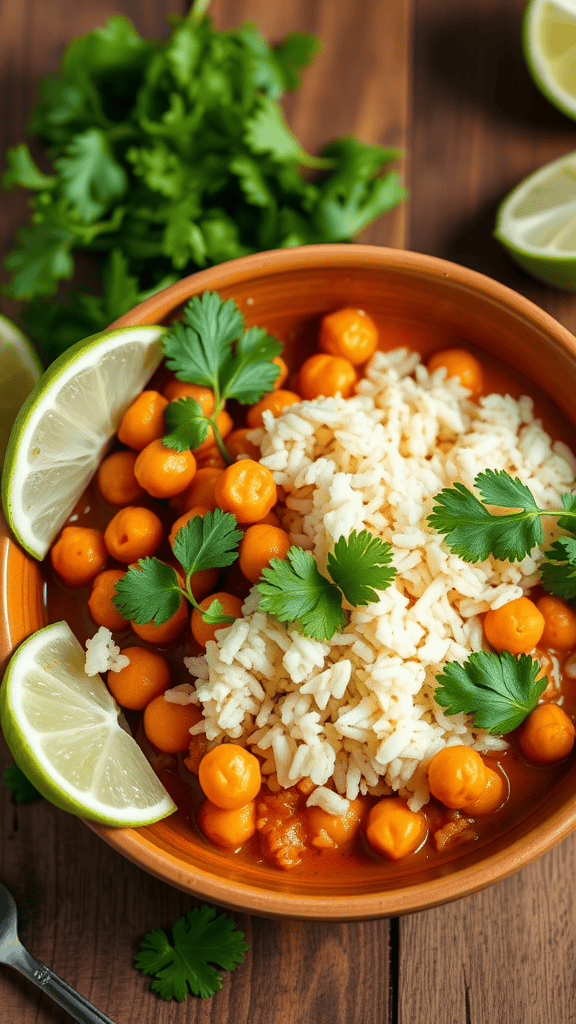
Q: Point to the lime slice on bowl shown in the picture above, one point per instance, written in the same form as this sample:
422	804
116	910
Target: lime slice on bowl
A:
20	370
536	223
65	426
549	44
66	733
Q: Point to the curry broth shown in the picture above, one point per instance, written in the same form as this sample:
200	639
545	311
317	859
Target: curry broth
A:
528	784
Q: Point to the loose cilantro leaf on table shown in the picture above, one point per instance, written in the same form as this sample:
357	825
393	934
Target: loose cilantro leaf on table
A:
500	690
23	791
183	964
175	154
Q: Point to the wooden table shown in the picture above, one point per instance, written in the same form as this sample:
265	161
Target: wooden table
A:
446	80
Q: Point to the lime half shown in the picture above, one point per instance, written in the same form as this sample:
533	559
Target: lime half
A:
549	43
536	223
20	369
64	428
67	735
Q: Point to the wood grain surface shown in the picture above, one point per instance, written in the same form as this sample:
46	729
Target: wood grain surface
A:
445	80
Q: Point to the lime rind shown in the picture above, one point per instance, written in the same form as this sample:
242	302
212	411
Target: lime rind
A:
65	426
549	46
90	765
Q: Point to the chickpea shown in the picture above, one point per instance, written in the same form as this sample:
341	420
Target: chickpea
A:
133	533
164	472
332	830
167	725
324	375
146	677
230	776
491	798
349	333
181	389
192	513
202	489
458	362
164	632
116	481
143	421
230	829
224	422
259	544
283	375
516	627
79	555
247	490
393	829
237	444
547	735
559	623
205	631
457	776
275	402
101	604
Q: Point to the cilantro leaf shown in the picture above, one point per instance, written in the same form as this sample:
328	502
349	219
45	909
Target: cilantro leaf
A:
187	424
23	171
360	566
250	373
148	592
498	488
354	195
215	613
207	543
266	131
183	965
499	689
197	348
43	259
294	590
91	178
558	573
568	522
293	54
23	792
474	533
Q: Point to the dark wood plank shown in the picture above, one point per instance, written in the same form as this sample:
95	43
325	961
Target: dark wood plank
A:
85	909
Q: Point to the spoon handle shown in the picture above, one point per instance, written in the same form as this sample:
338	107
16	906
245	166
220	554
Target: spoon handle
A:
59	990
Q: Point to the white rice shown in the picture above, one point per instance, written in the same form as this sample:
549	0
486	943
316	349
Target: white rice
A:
357	714
103	655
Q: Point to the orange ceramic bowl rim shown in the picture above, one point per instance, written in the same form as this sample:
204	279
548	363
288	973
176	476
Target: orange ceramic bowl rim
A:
539	831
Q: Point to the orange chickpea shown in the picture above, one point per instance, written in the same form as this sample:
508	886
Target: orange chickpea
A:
202	489
143	421
198	510
164	472
146	677
259	544
393	830
559	623
324	375
167	725
133	533
181	389
516	627
164	632
283	375
458	362
211	459
246	489
349	333
274	402
237	444
270	520
457	776
230	829
491	798
547	735
205	631
224	422
79	555
230	776
330	830
116	481
102	607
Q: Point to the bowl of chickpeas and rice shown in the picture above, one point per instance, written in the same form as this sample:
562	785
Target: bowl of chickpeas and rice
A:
317	777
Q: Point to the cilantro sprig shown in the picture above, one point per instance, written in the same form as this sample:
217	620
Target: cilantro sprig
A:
500	690
184	963
211	347
151	591
474	532
295	590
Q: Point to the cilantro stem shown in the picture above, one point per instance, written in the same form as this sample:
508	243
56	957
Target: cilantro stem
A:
197	12
190	596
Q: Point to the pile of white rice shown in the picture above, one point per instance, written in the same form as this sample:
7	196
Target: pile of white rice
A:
357	714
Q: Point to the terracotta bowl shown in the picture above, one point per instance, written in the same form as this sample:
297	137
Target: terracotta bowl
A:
433	304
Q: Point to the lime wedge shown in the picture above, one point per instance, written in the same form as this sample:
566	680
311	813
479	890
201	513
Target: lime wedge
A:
65	425
536	223
20	369
66	733
549	43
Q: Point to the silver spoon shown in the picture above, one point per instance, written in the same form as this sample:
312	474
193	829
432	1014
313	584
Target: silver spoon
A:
14	953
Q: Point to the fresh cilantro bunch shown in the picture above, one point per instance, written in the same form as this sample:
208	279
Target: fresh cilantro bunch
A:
295	590
152	591
500	690
184	964
23	791
200	348
171	156
474	532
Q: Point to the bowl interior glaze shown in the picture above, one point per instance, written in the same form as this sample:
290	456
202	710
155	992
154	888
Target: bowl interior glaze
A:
435	304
